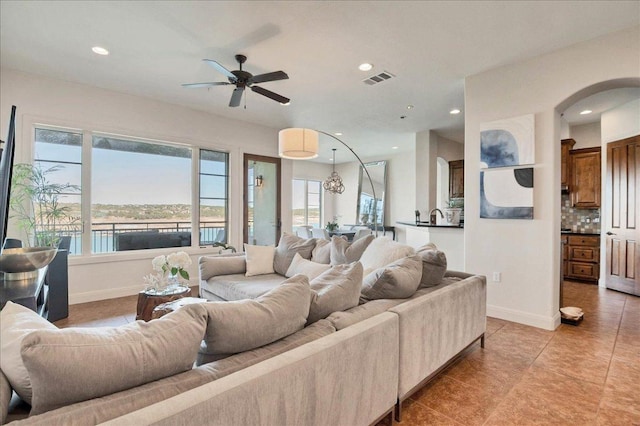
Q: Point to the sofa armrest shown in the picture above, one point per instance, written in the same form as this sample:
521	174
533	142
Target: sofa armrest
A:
222	264
457	274
435	327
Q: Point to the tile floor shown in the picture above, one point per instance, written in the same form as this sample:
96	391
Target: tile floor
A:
584	375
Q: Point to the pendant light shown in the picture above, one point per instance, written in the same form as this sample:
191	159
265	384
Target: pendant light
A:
334	182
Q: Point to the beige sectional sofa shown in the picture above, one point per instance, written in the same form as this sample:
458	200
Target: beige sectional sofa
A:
354	367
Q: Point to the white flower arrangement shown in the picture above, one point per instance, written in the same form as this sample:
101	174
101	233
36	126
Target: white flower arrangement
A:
169	269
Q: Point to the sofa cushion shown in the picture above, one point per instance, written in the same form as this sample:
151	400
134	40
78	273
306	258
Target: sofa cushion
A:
335	290
287	248
76	364
343	251
383	251
434	265
16	322
240	287
397	280
242	325
305	267
222	264
322	251
259	259
5	397
343	319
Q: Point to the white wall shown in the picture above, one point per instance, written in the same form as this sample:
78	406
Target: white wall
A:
55	102
450	150
620	123
585	135
527	252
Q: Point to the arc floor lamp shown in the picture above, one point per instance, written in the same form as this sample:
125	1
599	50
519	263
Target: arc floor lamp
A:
302	144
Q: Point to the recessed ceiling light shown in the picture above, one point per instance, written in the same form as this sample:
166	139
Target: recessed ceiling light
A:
286	104
100	50
394	147
585	112
365	67
454	111
409	106
338	133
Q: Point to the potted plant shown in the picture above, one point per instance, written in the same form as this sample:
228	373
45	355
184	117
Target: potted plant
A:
35	204
453	211
332	226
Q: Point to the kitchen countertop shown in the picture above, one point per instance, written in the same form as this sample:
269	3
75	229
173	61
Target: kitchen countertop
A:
428	225
579	233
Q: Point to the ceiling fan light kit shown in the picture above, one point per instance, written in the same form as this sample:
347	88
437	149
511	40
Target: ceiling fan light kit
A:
243	79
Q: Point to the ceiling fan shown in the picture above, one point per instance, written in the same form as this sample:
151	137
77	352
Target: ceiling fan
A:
243	79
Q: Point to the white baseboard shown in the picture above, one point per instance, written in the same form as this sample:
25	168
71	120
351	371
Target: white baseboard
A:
109	293
526	318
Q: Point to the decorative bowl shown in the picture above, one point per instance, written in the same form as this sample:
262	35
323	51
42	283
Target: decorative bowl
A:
17	260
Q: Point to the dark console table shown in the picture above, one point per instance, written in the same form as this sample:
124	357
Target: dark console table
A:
47	294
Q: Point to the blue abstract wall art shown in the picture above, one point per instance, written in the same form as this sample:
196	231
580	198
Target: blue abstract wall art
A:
506	193
507	143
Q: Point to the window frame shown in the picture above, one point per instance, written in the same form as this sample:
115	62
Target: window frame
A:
306	201
27	152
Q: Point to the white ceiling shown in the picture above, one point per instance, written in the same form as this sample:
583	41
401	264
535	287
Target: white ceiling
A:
429	46
599	103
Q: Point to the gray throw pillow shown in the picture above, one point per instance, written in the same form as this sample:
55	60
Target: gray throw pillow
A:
322	251
242	325
434	265
398	280
337	289
343	251
76	364
288	246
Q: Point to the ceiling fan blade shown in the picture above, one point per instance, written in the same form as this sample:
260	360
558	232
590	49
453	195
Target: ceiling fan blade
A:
270	76
214	83
221	69
269	94
236	96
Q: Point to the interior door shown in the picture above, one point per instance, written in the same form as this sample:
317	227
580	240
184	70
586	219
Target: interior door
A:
261	200
622	206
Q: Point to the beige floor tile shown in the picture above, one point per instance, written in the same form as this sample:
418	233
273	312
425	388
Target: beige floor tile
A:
414	413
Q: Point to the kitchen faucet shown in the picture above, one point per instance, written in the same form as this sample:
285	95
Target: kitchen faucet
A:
432	215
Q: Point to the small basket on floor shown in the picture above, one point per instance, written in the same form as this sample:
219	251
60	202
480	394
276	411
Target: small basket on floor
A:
571	315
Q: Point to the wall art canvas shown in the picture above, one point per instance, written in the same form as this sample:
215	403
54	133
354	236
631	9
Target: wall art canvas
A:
507	143
506	193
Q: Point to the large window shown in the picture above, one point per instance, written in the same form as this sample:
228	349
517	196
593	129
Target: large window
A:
214	196
57	177
142	194
307	203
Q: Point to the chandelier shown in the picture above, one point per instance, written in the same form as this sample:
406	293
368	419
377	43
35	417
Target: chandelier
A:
334	182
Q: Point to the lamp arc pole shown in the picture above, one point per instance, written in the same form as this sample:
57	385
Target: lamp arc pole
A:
373	189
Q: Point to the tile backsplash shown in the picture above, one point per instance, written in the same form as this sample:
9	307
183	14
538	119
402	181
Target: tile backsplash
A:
579	220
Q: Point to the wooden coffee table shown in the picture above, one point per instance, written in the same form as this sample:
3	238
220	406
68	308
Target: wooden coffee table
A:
149	299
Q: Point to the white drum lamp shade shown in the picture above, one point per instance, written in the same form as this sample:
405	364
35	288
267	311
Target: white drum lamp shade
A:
298	143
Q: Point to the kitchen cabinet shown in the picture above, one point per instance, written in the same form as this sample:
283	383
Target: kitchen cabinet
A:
582	257
565	163
456	179
585	178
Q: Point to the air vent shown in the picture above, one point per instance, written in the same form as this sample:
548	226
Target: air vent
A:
378	78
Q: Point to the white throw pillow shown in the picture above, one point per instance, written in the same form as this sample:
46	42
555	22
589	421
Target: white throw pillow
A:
259	259
383	251
16	321
300	265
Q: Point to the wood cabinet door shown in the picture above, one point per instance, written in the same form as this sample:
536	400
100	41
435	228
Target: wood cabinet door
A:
585	181
565	163
622	205
456	179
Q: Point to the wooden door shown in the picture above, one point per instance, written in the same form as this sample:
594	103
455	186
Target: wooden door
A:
456	179
622	206
262	220
585	178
